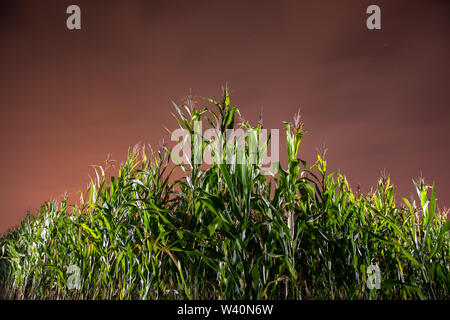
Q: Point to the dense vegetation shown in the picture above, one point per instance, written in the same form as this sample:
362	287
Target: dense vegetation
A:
226	231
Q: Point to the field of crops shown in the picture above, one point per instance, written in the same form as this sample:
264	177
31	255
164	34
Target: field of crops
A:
226	231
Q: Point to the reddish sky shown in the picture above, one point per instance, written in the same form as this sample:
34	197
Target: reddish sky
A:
377	99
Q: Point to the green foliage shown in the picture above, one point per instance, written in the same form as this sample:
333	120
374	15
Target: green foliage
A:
229	232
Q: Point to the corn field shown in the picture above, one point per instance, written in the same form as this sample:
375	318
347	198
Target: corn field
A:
226	231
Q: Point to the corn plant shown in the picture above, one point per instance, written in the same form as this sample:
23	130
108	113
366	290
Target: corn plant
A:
228	231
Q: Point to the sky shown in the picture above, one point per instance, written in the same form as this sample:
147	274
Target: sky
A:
377	99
